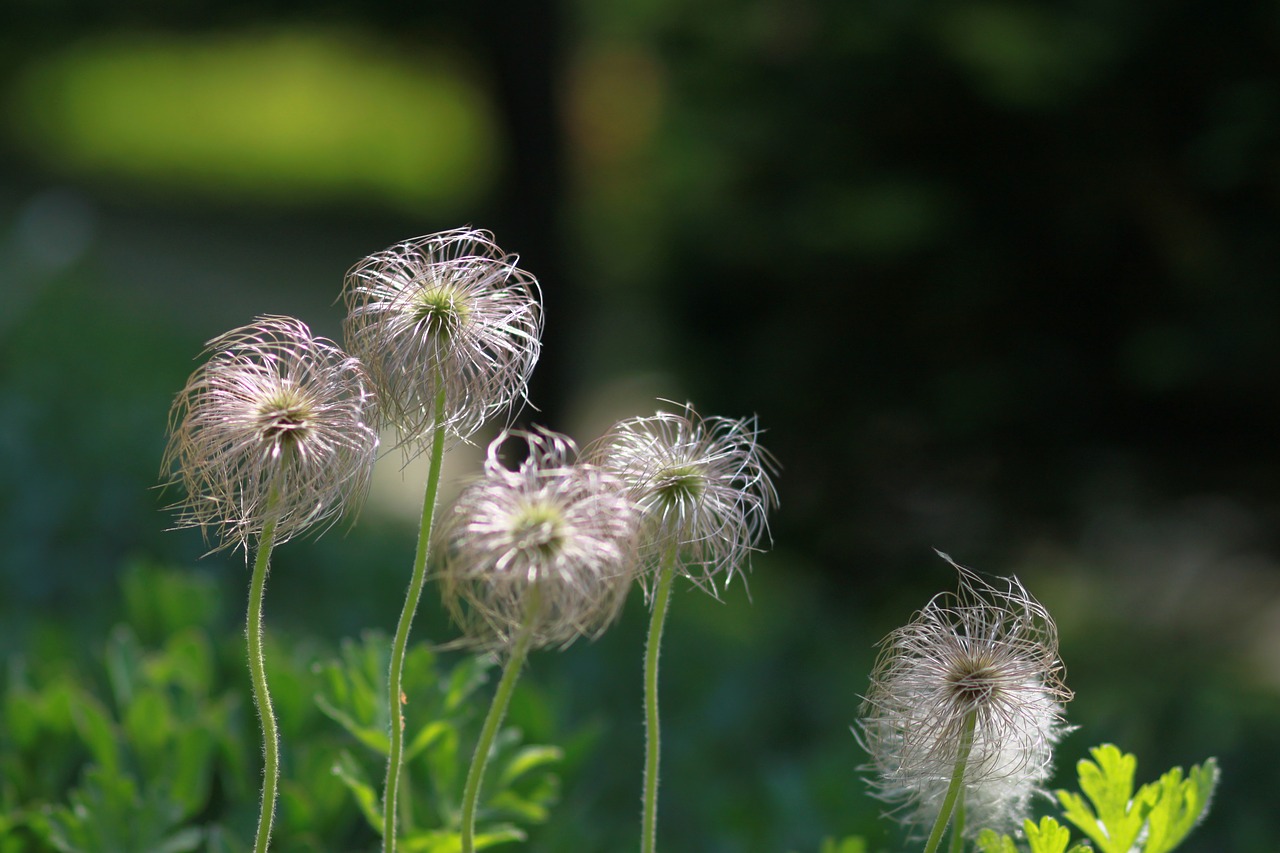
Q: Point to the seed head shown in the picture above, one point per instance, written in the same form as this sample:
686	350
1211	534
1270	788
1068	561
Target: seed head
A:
984	650
703	486
550	541
448	310
272	427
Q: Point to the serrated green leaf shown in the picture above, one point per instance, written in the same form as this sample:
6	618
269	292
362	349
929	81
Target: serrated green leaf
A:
349	771
1116	818
989	841
1179	805
1048	836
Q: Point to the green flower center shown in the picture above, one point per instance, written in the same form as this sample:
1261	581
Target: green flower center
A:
538	530
285	417
683	484
441	310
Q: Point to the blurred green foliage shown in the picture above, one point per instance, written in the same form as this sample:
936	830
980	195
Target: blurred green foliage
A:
305	115
164	759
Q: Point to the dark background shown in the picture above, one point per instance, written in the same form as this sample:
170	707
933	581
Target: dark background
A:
998	278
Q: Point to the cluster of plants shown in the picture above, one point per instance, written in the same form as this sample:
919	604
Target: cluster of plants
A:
277	433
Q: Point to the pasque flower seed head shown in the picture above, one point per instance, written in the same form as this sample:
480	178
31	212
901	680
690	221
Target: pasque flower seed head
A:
272	427
987	651
547	546
447	312
703	485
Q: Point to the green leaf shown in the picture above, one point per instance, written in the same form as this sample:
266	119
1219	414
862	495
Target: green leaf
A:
95	727
107	814
1117	816
465	679
990	842
1048	836
1179	805
353	691
527	759
353	777
426	736
374	738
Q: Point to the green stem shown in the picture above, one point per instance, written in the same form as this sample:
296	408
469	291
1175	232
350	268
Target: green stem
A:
401	642
497	711
957	782
661	597
258	672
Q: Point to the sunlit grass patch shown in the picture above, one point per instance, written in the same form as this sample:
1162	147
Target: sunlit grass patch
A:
288	115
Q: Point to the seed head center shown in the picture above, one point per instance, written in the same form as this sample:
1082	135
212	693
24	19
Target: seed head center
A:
285	417
973	684
441	310
539	529
681	484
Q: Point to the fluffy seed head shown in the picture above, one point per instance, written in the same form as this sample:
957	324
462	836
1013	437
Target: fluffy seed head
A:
703	485
447	311
551	541
273	410
984	650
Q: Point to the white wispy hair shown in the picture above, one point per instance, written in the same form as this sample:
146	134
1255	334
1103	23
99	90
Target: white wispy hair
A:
273	427
449	311
703	484
546	547
985	650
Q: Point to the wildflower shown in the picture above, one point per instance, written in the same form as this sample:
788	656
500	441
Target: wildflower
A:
546	547
450	330
271	429
703	485
971	687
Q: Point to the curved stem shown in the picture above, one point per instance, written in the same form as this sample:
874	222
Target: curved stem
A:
497	711
661	596
395	697
957	782
258	673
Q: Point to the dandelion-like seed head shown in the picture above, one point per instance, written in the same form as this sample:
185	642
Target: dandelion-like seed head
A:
447	312
546	547
271	428
986	652
703	485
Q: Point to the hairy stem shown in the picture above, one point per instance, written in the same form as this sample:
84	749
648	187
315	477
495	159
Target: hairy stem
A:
957	783
258	673
661	597
497	711
401	641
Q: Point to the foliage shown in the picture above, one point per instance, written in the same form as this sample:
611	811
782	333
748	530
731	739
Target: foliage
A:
1154	820
156	746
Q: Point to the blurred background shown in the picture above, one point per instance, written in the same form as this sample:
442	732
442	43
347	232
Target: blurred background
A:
998	278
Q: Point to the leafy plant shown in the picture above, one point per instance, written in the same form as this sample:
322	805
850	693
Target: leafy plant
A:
519	788
1156	819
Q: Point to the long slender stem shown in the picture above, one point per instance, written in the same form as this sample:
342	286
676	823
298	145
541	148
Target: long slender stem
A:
661	597
497	711
957	783
401	642
258	672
